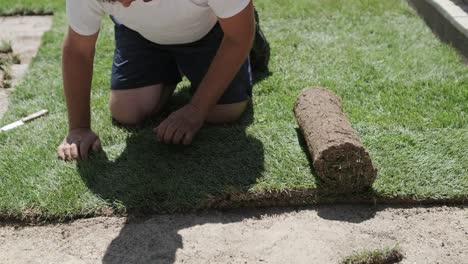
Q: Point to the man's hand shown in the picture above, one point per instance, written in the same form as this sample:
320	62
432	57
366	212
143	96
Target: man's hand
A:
181	126
78	144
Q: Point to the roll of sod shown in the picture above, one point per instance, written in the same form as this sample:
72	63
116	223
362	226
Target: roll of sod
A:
338	155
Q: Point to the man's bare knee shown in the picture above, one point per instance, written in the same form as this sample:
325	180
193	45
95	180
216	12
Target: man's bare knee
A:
131	107
128	116
227	113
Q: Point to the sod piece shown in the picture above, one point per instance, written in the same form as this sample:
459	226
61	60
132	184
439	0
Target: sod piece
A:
388	255
2	79
338	155
7	58
402	89
5	47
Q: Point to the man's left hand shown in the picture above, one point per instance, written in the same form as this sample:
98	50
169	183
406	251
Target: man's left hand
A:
181	126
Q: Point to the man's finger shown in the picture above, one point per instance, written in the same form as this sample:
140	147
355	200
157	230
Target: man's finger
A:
178	135
188	138
66	150
60	152
97	145
161	129
84	149
74	151
170	130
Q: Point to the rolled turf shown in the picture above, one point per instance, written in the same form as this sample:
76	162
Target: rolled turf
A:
338	155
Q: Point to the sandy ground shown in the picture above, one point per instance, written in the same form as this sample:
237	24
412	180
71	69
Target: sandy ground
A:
322	234
25	34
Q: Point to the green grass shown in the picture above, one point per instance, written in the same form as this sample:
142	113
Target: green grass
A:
30	7
5	47
388	255
404	92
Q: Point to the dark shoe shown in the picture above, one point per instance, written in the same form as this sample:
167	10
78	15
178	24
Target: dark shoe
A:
260	53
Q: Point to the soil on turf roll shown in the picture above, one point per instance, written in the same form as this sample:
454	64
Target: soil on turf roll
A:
338	155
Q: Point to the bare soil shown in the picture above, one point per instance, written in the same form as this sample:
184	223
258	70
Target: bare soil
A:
24	33
322	234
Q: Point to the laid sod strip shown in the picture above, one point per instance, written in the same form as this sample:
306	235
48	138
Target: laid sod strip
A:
403	91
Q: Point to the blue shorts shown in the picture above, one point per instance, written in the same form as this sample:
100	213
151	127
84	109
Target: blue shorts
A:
139	62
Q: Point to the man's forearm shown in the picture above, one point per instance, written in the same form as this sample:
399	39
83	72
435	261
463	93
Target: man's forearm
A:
227	62
77	69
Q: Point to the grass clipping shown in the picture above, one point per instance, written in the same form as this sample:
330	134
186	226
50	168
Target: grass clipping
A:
337	153
386	256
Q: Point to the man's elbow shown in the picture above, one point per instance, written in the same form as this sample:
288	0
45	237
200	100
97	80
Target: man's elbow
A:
76	44
70	50
244	41
250	36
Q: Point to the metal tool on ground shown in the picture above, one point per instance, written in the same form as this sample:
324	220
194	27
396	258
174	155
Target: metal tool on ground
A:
24	120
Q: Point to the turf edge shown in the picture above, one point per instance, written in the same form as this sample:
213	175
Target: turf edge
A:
270	199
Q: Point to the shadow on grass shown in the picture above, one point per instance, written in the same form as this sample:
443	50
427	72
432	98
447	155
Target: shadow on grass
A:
150	177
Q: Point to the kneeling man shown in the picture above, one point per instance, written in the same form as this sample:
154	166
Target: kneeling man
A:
156	43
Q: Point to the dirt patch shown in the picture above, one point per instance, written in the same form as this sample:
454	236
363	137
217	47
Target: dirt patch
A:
322	234
25	34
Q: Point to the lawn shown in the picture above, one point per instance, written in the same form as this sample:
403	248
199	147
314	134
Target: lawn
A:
405	92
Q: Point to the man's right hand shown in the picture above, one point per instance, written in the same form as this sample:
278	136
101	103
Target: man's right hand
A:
78	144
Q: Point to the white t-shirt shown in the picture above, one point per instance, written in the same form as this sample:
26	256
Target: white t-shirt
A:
160	21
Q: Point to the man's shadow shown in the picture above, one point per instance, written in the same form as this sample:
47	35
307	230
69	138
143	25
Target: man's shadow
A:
148	177
156	239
